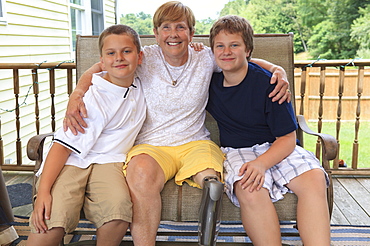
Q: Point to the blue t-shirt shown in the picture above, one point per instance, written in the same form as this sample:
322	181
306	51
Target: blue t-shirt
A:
245	114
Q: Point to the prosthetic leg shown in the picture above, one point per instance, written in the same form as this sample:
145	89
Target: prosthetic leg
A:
210	211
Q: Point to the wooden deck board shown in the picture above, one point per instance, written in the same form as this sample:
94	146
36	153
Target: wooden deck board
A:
365	182
351	198
348	205
337	217
358	193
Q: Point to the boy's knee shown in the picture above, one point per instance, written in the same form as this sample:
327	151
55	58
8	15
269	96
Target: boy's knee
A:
250	199
117	225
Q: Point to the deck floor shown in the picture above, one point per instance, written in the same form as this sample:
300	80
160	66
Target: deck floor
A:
351	198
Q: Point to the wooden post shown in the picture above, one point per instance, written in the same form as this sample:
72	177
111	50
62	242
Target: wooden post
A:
360	86
36	91
52	96
18	143
321	109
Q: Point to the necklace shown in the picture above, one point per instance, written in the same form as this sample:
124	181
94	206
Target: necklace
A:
174	81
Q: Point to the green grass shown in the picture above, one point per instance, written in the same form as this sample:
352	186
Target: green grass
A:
346	140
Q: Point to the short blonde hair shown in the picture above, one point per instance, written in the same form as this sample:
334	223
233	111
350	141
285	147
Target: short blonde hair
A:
233	24
119	29
174	11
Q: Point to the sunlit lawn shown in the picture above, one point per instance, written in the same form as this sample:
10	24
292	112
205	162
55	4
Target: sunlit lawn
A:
346	140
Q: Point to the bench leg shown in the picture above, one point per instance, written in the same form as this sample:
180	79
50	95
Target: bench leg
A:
210	211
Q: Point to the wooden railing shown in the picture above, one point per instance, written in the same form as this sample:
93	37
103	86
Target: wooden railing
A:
331	99
30	72
316	93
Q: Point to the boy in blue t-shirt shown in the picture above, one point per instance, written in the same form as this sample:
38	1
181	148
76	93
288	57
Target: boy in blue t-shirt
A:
259	140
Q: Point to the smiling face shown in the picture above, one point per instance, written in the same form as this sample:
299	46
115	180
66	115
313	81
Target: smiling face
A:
174	38
230	52
174	29
120	58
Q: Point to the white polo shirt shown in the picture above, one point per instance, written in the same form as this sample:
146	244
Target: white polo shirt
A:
115	117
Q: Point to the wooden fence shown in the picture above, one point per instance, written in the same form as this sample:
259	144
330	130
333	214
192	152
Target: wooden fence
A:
335	91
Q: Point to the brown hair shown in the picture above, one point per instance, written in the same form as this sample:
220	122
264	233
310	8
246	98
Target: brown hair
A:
174	11
233	24
119	29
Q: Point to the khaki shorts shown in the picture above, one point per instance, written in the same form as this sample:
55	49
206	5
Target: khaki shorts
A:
101	190
184	161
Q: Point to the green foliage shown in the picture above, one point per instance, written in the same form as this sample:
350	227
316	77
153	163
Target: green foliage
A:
331	38
361	32
142	23
329	29
236	7
266	16
322	27
203	26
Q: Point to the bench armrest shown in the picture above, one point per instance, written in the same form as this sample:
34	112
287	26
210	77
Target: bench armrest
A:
329	143
35	148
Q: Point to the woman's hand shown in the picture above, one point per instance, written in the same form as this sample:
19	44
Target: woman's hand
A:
197	46
253	173
41	212
281	92
76	110
75	113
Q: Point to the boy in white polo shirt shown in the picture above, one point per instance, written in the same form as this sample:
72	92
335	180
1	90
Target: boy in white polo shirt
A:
86	170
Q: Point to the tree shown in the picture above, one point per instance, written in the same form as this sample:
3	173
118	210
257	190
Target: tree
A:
360	31
266	16
330	29
141	22
236	7
203	26
331	38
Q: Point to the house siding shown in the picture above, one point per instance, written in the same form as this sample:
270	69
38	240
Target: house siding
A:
35	31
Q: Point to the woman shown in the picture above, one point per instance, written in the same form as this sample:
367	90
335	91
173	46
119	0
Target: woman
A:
173	141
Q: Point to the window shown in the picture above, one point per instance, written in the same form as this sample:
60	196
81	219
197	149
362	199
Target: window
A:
87	18
2	12
97	16
77	12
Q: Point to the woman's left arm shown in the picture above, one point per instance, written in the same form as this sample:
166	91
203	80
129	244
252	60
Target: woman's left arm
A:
281	92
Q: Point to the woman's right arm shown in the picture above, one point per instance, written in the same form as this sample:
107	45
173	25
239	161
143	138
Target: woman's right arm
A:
76	110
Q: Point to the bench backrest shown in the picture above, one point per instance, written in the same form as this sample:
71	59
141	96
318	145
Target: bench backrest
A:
275	48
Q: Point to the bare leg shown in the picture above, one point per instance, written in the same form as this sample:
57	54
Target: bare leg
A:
259	216
111	233
52	237
312	208
146	180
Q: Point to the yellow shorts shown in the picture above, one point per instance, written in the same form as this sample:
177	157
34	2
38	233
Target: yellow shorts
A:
184	161
101	190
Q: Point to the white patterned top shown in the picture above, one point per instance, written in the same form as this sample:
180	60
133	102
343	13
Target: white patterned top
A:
175	113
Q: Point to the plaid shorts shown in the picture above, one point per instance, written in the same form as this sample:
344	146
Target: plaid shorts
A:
298	162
